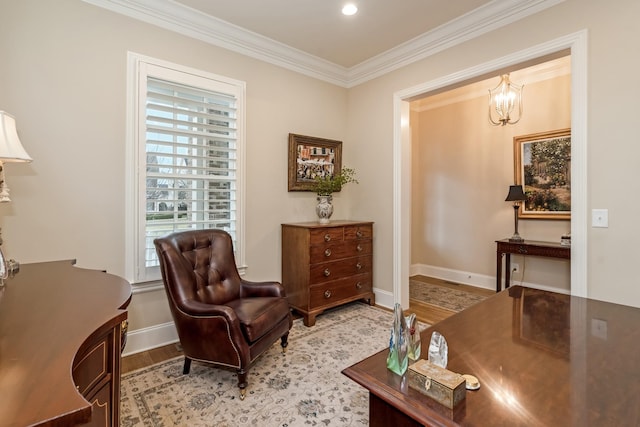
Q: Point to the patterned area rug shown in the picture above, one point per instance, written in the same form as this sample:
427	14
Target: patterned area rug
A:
305	387
452	299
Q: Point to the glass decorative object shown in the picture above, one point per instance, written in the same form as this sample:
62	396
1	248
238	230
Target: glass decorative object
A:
414	337
398	358
438	350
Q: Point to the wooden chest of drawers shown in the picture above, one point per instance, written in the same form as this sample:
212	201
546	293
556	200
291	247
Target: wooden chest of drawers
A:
325	265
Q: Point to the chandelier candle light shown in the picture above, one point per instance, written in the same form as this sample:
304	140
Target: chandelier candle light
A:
502	102
11	150
516	195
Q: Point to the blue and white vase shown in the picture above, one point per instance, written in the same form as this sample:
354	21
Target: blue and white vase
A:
324	209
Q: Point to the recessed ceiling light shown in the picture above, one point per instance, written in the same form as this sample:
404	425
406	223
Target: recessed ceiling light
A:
349	9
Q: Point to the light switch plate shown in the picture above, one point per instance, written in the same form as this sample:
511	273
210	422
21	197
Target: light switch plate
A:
600	218
599	328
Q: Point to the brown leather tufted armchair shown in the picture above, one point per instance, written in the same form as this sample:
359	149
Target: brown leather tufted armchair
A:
220	317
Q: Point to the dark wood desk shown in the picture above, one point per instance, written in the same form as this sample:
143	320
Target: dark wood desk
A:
60	341
505	248
558	361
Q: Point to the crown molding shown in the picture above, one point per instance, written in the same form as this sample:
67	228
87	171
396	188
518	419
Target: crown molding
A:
484	19
527	76
175	17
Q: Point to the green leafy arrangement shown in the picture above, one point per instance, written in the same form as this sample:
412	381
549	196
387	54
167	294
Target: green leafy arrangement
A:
326	185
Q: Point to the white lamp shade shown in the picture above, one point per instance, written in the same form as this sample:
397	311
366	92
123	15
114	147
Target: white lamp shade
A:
11	149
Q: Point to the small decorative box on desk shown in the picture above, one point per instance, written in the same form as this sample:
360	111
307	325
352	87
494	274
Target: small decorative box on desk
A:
326	265
440	384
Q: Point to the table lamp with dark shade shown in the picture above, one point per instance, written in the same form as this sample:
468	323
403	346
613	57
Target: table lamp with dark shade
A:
516	195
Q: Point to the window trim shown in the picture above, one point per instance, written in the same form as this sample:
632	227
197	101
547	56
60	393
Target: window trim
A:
135	271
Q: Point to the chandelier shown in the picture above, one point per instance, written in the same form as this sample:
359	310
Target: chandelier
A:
502	102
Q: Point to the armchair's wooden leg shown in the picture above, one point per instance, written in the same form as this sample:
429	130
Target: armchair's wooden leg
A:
284	342
187	366
242	383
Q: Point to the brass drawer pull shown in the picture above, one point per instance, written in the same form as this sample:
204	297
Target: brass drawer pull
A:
358	285
327	237
359	248
327	252
359	266
326	272
359	233
327	294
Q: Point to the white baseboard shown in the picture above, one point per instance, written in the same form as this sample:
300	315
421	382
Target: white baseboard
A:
456	276
384	298
152	337
472	279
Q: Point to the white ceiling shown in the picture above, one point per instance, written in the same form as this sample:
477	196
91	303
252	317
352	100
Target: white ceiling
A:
313	37
318	27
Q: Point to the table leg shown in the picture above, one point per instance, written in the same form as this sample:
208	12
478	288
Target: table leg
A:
499	271
507	270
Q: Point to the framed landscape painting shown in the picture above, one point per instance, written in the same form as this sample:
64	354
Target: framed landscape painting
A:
543	168
310	157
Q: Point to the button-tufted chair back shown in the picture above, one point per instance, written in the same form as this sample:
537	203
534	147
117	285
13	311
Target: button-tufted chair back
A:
206	271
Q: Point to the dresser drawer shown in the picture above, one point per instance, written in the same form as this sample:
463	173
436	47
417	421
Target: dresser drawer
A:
334	270
321	236
92	367
334	291
358	232
338	250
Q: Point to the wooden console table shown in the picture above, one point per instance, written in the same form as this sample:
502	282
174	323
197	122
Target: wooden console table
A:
61	330
505	248
555	360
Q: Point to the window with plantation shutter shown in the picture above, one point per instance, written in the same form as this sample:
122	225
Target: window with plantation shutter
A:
189	169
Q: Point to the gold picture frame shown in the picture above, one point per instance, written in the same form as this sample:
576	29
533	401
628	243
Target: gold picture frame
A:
542	165
309	157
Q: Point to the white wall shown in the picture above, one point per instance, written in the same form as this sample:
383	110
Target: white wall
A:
63	75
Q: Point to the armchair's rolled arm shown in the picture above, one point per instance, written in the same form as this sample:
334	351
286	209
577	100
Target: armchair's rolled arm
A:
261	289
212	332
199	309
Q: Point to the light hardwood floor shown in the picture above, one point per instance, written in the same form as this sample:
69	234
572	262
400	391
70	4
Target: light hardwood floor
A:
150	357
433	314
424	311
